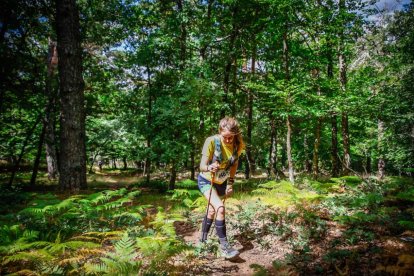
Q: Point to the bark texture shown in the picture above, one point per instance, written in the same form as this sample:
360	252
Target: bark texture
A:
72	125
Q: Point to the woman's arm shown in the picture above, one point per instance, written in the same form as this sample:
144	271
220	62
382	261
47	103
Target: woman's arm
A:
204	167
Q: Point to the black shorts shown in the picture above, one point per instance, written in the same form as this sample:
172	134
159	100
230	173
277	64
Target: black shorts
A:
204	185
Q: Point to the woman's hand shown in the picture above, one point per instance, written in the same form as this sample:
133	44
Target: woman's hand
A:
213	167
229	190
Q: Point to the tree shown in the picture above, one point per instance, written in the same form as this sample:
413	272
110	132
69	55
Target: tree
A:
72	121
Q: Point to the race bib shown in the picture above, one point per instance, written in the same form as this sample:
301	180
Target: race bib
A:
221	176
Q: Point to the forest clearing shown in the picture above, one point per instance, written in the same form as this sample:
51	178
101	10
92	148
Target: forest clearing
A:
207	137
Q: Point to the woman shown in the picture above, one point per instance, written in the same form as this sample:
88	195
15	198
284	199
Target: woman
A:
219	162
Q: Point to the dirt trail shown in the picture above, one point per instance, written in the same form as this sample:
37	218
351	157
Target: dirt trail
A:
251	253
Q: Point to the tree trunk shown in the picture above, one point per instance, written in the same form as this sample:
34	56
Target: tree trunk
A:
22	151
381	159
38	156
93	161
343	82
411	173
183	35
173	176
230	60
334	123
72	125
50	145
192	158
48	118
334	148
288	119
368	163
316	148
345	140
250	161
124	160
272	150
289	150
307	166
147	167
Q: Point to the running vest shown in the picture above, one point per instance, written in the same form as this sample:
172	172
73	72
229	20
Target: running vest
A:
224	171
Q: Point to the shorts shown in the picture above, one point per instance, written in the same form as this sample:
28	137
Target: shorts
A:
204	185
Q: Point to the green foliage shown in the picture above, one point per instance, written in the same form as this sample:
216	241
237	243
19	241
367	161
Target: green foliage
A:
355	235
121	261
162	242
84	213
12	197
407	224
406	195
186	198
159	185
259	270
352	181
282	194
187	184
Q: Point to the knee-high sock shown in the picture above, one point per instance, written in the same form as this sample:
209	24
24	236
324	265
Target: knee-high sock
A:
205	228
221	228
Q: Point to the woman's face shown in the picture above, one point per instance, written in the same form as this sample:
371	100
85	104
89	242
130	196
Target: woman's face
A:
227	136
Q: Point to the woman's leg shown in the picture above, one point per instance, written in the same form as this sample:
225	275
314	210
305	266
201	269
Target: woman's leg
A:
204	186
208	219
217	205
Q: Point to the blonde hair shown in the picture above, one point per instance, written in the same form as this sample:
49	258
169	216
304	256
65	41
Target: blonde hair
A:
232	125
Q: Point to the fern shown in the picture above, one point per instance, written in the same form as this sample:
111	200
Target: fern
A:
81	255
121	262
102	236
9	233
164	223
96	268
56	248
134	194
40	255
57	208
114	204
134	216
20	245
158	246
25	272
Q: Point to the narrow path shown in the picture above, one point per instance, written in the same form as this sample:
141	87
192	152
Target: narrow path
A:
251	253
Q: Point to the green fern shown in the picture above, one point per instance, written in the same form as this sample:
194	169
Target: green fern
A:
25	272
58	248
133	194
114	204
135	216
164	223
40	255
21	245
121	262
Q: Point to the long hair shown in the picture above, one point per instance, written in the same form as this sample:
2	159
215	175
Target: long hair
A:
232	125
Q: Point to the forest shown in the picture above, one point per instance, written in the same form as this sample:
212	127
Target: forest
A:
105	107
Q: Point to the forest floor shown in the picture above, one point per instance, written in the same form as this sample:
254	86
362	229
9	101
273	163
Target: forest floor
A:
341	226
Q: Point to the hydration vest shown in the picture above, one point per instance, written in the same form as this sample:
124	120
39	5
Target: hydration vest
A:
218	156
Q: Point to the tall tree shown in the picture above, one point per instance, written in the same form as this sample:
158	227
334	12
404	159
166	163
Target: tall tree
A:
72	121
342	64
